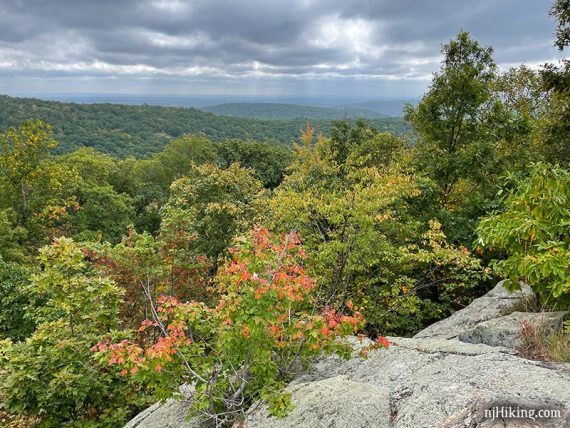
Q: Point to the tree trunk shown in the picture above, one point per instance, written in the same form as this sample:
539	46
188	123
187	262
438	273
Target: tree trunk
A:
24	207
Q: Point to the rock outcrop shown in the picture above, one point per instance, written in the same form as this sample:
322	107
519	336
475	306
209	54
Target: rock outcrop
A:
431	380
505	331
496	303
171	414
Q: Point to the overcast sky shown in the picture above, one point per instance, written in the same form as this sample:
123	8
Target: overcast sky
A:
366	48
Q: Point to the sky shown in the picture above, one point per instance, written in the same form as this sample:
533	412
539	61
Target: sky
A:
337	48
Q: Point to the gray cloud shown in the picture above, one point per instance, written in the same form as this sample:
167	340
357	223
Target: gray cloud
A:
341	46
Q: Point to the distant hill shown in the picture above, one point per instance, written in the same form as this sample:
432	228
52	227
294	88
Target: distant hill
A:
382	107
139	131
279	111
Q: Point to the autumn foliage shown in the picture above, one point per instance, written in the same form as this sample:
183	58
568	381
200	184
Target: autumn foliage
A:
263	328
144	265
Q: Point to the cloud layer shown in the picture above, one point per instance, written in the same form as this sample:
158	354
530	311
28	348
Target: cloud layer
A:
339	47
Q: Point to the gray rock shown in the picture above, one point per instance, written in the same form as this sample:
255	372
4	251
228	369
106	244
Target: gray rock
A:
497	302
170	414
336	401
506	331
426	383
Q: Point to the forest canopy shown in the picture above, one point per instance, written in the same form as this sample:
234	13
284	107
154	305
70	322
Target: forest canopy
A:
140	131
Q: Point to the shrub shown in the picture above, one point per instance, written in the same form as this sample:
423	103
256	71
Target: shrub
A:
263	327
52	375
540	344
534	232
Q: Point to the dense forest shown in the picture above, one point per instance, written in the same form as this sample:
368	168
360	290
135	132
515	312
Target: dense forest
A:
140	131
388	108
279	111
230	265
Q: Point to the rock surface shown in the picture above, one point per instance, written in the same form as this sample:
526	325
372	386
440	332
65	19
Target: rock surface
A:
171	414
505	331
494	304
423	383
431	380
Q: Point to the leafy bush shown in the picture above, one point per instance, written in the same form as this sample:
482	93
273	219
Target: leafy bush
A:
52	375
534	232
16	301
55	377
264	326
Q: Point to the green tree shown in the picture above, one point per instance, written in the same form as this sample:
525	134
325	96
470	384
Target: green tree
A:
35	187
561	11
21	152
349	198
556	81
525	105
472	126
51	202
454	118
215	205
52	374
268	162
533	231
148	184
183	152
95	168
102	214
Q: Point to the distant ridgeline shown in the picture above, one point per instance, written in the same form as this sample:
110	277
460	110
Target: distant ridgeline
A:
279	111
139	131
369	110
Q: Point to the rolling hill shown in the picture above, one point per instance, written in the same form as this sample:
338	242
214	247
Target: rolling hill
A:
280	111
382	107
141	130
